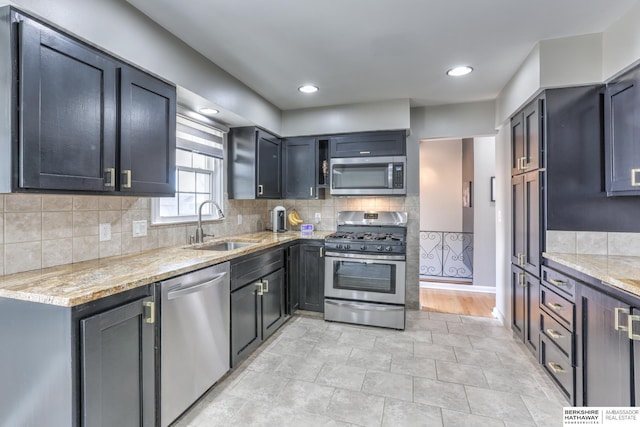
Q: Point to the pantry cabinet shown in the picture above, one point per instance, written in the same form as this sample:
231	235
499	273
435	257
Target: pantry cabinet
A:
85	121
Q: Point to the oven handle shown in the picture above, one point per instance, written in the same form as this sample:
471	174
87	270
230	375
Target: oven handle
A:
364	306
370	257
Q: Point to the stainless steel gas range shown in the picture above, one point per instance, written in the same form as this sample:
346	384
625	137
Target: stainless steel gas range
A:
365	266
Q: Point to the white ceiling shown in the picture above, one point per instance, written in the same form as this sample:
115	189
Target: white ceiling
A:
373	50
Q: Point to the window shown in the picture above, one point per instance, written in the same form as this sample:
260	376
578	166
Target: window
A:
199	177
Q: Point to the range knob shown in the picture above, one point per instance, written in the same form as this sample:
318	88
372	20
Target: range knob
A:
363	247
379	248
347	246
388	249
339	246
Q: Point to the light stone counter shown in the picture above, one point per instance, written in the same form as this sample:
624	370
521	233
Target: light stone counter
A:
74	284
622	272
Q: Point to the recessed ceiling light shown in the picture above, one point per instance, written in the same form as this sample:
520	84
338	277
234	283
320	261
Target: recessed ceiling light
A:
209	111
459	71
308	89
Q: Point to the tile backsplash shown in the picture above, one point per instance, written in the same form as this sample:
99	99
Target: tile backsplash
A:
39	231
593	243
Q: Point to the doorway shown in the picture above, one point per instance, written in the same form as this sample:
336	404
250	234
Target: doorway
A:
457	225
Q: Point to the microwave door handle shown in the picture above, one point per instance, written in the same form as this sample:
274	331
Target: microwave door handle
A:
390	176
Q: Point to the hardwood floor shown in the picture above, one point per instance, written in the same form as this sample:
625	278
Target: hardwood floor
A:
457	302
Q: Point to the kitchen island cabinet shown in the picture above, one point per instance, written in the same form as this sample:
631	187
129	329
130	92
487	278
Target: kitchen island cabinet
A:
85	121
92	364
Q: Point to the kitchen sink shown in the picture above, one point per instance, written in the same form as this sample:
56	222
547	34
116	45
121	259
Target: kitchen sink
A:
222	246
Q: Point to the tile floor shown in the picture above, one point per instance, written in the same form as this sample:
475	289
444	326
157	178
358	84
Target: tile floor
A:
443	370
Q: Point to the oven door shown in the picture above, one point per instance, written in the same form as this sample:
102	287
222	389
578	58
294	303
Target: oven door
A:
375	278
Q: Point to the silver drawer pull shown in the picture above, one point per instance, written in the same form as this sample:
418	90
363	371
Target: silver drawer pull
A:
556	368
558	282
616	319
555	306
554	334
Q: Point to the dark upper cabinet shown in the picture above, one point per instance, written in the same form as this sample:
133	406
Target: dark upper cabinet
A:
300	165
147	134
255	164
526	144
86	121
68	112
387	143
622	130
527	231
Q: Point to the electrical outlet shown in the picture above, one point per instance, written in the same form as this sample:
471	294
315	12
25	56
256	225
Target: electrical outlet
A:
105	232
317	217
140	228
239	219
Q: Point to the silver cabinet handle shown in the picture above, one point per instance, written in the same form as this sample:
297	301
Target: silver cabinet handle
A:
632	336
260	190
149	308
311	191
179	290
616	319
523	160
265	286
634	182
554	334
556	368
555	306
365	152
321	251
127	178
558	283
260	288
112	177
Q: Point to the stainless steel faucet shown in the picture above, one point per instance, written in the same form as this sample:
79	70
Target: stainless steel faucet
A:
200	234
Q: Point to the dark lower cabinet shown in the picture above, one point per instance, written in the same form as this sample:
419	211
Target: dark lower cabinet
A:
92	364
306	278
607	373
118	369
258	306
525	313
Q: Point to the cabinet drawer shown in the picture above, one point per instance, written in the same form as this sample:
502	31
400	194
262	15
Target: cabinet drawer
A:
558	334
558	307
558	367
559	282
253	268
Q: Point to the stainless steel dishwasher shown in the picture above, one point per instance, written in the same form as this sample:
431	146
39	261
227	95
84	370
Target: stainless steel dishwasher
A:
194	337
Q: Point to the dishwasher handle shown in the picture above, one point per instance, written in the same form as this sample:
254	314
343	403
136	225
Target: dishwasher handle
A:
181	290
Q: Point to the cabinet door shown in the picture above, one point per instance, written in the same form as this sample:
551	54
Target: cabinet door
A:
312	277
369	144
147	134
532	313
67	112
517	143
273	307
518	301
606	352
532	212
293	279
300	168
246	326
622	151
269	169
118	369
532	137
636	358
517	220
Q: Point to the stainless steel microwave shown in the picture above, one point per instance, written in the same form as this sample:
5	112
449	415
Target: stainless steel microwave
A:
369	176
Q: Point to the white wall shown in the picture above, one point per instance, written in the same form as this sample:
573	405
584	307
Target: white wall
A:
454	121
571	60
621	44
441	185
121	29
523	85
484	218
503	222
369	116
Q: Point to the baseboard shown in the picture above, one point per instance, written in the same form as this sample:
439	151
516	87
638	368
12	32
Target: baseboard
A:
457	287
496	313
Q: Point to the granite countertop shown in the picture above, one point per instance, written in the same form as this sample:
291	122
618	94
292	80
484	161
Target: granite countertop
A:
74	284
622	272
